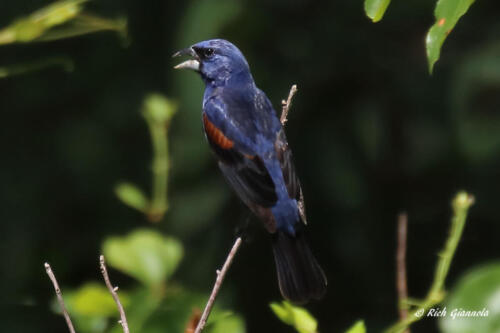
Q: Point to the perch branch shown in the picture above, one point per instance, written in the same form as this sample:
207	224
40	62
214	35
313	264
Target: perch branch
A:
218	282
401	281
52	277
285	105
112	290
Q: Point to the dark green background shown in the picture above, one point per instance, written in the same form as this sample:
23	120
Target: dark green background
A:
372	133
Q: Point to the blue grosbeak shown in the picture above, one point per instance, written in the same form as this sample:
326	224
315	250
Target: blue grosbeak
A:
249	142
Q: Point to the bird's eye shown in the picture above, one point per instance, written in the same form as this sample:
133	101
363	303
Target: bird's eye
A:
207	53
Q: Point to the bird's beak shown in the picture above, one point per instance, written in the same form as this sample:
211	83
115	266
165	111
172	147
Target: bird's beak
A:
193	64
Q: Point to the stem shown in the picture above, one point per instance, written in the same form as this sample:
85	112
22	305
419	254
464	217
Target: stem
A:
52	277
158	112
159	204
218	283
461	205
112	290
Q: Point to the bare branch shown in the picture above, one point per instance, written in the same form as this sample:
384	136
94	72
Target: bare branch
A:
112	290
401	282
218	283
286	105
52	277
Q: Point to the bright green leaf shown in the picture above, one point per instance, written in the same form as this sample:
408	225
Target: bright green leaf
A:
84	24
295	316
375	9
91	306
228	324
358	327
478	290
94	299
132	196
447	14
61	19
144	254
35	25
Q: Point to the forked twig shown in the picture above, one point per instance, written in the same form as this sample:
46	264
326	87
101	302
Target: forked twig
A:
218	282
113	290
52	277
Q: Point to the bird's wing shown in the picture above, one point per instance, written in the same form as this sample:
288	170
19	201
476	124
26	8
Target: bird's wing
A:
241	165
290	177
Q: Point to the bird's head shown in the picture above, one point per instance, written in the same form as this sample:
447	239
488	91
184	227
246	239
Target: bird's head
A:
217	61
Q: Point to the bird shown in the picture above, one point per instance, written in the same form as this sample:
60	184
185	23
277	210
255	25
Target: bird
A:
249	142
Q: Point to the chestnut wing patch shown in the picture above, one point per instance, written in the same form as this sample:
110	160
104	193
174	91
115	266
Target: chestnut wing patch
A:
215	135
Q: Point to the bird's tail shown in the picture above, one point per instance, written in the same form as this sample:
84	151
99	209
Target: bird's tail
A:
299	275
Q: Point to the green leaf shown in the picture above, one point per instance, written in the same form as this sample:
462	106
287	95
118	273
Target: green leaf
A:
447	14
62	19
144	254
85	24
227	324
132	196
358	327
35	25
295	316
94	299
375	9
90	306
478	290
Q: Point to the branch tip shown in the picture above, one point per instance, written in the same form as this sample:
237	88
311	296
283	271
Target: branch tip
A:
218	283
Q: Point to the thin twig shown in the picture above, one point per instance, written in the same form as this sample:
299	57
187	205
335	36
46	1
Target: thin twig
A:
52	277
217	285
401	282
112	290
285	105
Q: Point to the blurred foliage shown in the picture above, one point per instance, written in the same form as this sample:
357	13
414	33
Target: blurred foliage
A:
358	327
145	255
295	316
91	306
40	26
375	9
447	14
59	20
477	290
158	112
